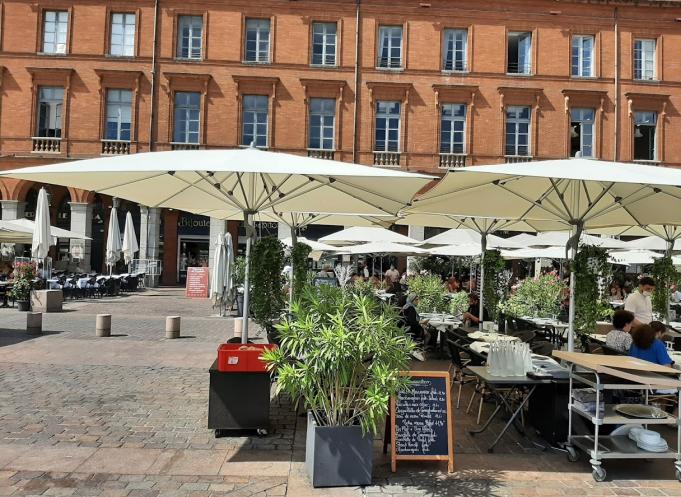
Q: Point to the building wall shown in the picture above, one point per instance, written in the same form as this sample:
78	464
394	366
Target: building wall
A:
221	76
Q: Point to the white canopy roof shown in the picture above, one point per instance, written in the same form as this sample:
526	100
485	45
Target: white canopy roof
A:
651	243
560	239
359	234
384	248
627	257
21	231
315	246
460	250
535	253
459	236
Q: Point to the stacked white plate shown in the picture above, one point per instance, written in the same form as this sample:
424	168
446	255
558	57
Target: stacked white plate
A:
648	440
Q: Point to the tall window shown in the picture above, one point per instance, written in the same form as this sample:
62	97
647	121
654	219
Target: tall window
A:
644	59
519	53
582	132
322	123
518	131
390	46
324	43
122	35
189	37
118	114
387	137
257	40
454	50
55	28
645	127
255	110
187	117
50	105
453	129
582	56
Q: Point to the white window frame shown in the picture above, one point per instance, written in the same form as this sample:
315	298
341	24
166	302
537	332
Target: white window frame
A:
645	59
579	115
384	145
580	58
329	36
56	25
385	42
517	121
459	56
116	109
453	119
185	122
126	47
262	53
248	107
527	65
327	121
52	108
641	119
194	48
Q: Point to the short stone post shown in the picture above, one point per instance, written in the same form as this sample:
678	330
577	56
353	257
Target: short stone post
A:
103	326
173	327
34	323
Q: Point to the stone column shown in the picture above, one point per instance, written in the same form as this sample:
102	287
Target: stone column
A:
12	209
417	233
150	232
81	223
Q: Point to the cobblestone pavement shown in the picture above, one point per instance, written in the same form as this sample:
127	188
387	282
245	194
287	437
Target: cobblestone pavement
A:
126	416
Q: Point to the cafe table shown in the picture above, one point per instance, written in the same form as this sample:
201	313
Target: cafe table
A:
482	336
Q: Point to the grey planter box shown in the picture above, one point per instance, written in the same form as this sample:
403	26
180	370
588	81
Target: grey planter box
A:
337	456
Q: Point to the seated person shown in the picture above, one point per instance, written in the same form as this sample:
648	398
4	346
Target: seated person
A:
473	314
453	285
616	292
647	347
326	272
620	337
375	282
409	317
661	331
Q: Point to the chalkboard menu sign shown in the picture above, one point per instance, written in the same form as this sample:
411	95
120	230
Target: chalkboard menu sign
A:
421	419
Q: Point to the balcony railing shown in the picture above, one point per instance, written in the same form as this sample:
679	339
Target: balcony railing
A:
184	146
515	159
450	161
318	153
115	147
387	159
46	145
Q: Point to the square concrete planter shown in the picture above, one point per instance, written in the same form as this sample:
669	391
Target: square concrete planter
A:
337	456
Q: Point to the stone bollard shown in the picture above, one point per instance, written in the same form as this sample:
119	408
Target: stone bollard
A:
238	327
103	327
34	323
173	327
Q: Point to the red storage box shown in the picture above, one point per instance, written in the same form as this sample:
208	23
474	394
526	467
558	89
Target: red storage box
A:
242	358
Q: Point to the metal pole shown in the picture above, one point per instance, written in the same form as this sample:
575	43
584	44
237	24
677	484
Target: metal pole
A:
575	234
294	241
481	285
248	217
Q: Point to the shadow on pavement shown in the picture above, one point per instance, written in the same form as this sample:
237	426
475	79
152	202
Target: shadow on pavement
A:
12	337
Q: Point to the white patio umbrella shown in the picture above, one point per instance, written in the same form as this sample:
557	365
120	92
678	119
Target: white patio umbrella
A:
628	257
656	236
113	241
653	243
221	277
315	246
383	248
42	238
465	236
459	250
561	238
582	193
130	246
361	234
246	180
21	231
535	253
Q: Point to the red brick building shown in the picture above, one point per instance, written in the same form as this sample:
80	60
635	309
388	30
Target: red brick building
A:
421	85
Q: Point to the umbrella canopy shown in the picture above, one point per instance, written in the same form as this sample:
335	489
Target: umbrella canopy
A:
247	180
582	193
315	246
459	250
561	238
652	243
130	246
535	253
41	241
628	257
381	248
21	231
463	236
359	234
113	241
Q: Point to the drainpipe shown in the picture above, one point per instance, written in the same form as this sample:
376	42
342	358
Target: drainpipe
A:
617	86
355	117
152	105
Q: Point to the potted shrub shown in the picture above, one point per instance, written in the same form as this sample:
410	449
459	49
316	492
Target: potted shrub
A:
24	274
341	353
431	293
535	297
267	284
238	283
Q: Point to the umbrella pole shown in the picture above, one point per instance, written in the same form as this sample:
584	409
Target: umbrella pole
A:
294	241
481	289
575	234
247	291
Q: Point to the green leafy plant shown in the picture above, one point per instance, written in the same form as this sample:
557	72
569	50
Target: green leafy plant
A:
536	297
267	299
665	276
592	270
458	303
22	284
341	355
239	271
430	292
494	266
362	288
299	255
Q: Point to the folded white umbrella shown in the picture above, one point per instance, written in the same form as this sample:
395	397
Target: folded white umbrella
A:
383	248
21	231
246	180
42	238
221	277
362	234
113	241
130	246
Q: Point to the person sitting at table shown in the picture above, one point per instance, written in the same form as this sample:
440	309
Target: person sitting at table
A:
660	331
473	314
616	292
619	338
375	282
639	302
647	347
326	272
453	285
410	319
676	294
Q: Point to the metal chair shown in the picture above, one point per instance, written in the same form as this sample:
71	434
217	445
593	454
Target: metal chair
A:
462	375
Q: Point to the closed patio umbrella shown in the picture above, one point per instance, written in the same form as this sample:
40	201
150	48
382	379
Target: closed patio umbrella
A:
130	246
42	238
221	277
113	241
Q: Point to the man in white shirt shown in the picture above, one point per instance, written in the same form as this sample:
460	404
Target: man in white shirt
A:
393	274
639	302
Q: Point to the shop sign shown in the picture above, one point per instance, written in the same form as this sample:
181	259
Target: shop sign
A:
191	224
197	283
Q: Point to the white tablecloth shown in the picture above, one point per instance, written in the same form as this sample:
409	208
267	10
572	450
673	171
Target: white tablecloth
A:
490	337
